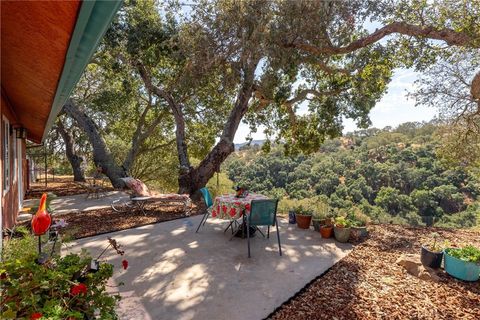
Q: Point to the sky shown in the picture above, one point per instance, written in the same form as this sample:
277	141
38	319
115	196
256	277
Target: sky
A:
393	109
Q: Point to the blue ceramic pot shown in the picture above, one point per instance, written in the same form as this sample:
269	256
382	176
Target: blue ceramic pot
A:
291	217
463	270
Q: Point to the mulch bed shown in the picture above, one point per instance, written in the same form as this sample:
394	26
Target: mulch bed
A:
93	222
62	186
368	284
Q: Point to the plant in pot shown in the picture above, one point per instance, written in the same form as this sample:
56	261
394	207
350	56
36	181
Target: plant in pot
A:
342	229
320	215
463	263
359	222
326	230
432	252
304	217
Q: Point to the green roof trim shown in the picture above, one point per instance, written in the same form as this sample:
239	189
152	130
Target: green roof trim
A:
93	20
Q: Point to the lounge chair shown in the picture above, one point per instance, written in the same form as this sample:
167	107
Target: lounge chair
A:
140	196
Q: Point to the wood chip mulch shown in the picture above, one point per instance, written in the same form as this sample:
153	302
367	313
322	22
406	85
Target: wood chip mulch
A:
94	222
62	186
368	284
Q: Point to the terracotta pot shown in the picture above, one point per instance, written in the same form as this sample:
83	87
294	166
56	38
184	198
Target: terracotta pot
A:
326	231
303	221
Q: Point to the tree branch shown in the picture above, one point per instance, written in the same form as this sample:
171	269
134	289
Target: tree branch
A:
451	37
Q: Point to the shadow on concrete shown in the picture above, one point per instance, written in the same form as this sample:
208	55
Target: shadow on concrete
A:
175	273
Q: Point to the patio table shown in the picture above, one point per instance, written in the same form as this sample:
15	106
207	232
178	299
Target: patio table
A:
229	207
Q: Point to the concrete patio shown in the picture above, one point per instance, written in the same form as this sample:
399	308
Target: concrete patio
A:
175	273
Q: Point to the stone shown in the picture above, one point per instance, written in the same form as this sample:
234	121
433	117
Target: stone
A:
411	263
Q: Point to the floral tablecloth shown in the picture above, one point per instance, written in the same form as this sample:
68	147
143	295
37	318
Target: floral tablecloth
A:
228	206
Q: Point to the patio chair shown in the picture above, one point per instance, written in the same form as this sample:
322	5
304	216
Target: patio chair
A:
263	213
209	203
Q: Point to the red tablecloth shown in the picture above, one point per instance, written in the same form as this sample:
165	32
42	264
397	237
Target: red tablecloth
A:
228	206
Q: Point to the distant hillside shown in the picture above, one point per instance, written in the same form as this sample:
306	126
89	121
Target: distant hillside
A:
253	143
391	175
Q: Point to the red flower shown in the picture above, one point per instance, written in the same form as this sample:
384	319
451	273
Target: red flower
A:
80	288
233	212
35	316
224	209
125	264
247	207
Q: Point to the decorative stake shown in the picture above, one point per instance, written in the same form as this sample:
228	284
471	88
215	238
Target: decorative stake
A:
41	221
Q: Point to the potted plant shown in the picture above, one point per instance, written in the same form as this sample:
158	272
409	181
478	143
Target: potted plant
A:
464	263
342	229
304	217
432	253
359	222
326	230
320	214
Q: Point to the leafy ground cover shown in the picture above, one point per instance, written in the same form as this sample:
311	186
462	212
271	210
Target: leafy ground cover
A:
368	284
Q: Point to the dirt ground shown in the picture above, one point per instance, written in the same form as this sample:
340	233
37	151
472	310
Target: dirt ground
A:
60	186
368	284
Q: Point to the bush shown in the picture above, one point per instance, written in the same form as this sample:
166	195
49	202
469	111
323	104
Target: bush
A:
59	288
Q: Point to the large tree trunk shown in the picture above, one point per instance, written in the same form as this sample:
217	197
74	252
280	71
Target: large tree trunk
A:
73	158
101	155
191	179
196	178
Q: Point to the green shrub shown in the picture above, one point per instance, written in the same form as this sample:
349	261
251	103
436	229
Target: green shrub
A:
60	288
343	222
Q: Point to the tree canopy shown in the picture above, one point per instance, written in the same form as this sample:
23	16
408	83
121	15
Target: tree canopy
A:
188	75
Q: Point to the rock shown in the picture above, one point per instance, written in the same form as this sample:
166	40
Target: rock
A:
411	263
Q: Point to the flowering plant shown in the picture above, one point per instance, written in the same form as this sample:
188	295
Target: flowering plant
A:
59	288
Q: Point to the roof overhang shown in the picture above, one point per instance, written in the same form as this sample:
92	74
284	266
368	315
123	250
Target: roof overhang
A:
45	47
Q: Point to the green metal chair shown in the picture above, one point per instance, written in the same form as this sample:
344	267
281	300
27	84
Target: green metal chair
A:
263	213
208	202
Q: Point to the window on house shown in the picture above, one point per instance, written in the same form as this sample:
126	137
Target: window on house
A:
15	158
6	154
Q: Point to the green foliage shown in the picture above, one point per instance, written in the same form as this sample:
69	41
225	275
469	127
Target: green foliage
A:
28	287
388	176
343	222
300	210
468	253
221	186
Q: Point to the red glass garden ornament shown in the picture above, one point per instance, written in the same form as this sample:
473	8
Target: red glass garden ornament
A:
41	220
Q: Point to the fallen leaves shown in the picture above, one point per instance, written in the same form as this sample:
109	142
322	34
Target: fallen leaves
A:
368	284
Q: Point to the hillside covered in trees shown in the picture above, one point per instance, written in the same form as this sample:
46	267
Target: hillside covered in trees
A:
392	175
